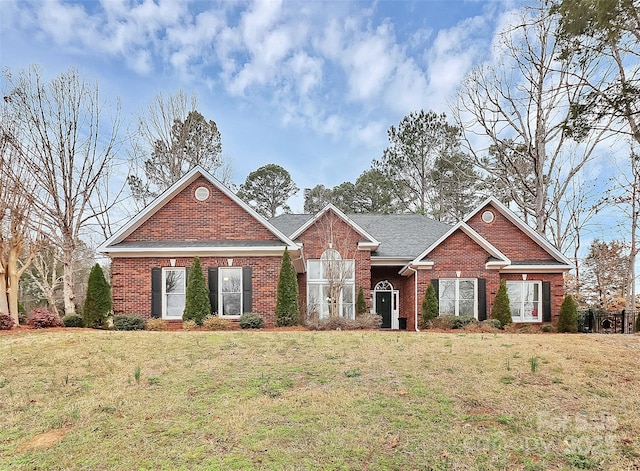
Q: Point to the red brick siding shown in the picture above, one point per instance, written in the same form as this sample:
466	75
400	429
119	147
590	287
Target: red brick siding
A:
508	238
132	282
184	218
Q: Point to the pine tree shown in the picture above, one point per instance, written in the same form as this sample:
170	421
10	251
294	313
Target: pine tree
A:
430	308
197	305
97	304
287	310
501	308
568	319
361	304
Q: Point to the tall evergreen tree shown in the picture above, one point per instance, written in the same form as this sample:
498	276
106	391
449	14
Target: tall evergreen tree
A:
97	304
287	309
501	308
197	305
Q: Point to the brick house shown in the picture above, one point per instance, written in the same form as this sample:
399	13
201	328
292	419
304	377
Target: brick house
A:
393	258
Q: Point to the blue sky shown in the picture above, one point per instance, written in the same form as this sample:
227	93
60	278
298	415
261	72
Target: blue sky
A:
312	86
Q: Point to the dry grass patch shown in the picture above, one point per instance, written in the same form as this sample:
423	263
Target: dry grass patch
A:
319	400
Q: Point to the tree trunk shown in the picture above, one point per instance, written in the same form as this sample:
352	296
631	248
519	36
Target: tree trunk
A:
4	305
13	279
67	279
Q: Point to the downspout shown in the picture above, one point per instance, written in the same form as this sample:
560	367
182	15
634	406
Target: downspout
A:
415	297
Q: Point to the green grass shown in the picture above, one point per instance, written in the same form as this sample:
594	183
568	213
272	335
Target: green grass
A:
317	400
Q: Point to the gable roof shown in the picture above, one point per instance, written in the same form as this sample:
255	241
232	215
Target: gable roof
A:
497	259
370	242
116	243
520	224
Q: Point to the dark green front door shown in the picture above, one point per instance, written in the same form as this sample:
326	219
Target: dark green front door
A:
383	307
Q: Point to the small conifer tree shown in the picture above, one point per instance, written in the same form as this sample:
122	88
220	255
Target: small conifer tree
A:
97	304
361	304
501	308
430	308
287	310
197	305
568	319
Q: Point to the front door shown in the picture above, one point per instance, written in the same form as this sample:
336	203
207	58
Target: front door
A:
383	307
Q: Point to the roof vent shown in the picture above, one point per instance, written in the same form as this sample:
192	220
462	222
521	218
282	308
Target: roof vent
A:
202	193
488	216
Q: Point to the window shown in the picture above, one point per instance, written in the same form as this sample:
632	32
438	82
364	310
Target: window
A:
173	292
230	292
458	297
525	300
331	285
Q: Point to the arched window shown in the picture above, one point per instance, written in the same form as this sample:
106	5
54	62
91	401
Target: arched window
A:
331	285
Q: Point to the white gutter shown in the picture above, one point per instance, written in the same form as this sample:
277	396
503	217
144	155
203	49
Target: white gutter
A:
415	296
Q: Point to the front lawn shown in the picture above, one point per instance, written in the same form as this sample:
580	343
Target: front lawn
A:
318	400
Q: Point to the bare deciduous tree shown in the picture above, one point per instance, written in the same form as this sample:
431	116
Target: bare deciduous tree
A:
521	105
68	149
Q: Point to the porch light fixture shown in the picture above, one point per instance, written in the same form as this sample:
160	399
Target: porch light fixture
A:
230	262
172	262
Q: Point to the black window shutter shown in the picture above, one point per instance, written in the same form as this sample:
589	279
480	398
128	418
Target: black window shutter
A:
482	299
247	295
156	292
186	277
434	283
546	301
213	289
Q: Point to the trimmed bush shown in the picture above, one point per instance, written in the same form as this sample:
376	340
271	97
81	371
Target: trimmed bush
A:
97	304
287	310
364	321
128	322
501	308
251	320
430	308
449	322
361	303
6	322
368	321
73	320
568	319
197	305
42	318
212	322
493	323
189	325
156	324
546	328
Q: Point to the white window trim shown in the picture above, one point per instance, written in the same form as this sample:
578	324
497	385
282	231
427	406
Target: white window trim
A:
221	271
165	271
530	320
457	298
322	282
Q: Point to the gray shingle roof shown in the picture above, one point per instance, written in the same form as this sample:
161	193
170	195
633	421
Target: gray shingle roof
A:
400	235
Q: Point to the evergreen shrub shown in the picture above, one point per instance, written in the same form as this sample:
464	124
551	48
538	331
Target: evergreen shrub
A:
197	305
361	303
501	308
430	308
156	324
97	304
251	320
287	309
73	320
128	322
568	319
